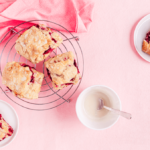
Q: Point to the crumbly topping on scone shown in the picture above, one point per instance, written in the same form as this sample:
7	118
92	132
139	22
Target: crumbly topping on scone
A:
5	129
36	43
63	70
22	80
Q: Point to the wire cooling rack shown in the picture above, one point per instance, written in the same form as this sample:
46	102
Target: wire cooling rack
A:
48	97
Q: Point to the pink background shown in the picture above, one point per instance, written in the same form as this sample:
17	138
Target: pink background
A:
111	60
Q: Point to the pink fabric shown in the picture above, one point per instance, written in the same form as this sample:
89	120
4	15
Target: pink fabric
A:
75	15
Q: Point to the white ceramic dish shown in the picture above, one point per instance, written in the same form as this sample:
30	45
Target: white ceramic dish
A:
104	122
139	35
11	117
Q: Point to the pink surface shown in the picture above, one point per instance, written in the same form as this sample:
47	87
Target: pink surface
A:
111	60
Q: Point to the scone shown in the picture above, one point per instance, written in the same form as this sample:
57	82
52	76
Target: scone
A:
5	129
62	70
22	80
36	43
146	44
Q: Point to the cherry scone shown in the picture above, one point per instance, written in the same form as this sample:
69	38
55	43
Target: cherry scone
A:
22	80
36	43
63	70
5	129
146	44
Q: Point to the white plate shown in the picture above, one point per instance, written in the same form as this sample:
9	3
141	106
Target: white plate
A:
139	35
11	117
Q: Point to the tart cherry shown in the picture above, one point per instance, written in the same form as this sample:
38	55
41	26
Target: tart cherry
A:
68	83
42	28
49	74
48	51
147	38
75	64
9	134
72	79
32	76
54	40
9	89
10	130
37	26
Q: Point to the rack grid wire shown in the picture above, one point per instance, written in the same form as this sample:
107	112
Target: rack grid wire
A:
48	97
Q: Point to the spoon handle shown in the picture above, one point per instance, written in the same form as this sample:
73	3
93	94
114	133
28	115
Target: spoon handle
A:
121	113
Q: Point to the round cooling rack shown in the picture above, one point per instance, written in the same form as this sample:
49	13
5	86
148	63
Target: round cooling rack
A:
48	97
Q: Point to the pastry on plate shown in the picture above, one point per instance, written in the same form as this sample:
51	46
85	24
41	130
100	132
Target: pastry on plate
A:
63	70
5	129
22	80
146	44
36	43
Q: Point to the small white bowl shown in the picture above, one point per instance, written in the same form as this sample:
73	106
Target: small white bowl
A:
108	119
142	28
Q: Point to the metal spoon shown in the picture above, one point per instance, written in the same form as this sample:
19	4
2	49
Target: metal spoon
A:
118	112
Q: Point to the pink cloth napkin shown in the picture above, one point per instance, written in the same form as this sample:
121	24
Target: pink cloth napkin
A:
74	15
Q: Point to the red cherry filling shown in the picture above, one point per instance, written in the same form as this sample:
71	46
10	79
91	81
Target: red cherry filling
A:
54	40
50	33
9	134
67	83
32	76
48	51
42	28
49	74
9	89
0	117
3	137
10	130
0	125
37	26
147	38
75	64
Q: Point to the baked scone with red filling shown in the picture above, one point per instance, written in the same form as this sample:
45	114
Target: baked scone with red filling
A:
63	70
146	44
36	43
22	80
5	129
